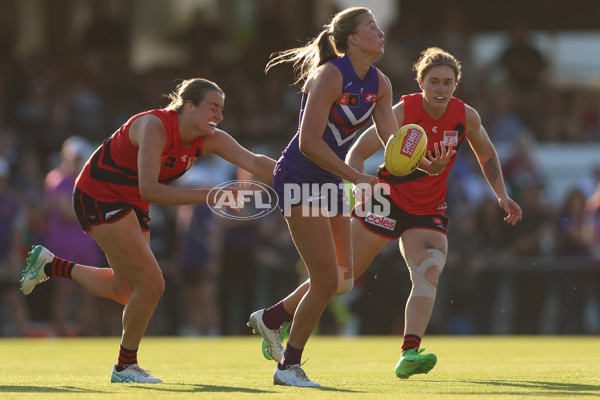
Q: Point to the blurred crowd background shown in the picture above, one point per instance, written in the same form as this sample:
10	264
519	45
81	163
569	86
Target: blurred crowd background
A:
73	71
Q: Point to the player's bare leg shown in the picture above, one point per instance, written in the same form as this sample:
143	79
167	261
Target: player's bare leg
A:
425	253
138	280
365	244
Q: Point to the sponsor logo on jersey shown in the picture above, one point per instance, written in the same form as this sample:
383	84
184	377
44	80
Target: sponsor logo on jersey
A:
450	138
411	140
348	99
170	162
371	97
442	206
381	221
438	221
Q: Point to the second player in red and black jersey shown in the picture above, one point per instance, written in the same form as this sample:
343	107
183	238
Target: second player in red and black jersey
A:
417	202
420	193
113	192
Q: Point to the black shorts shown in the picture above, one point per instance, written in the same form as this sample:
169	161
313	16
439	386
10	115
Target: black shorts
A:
392	226
91	212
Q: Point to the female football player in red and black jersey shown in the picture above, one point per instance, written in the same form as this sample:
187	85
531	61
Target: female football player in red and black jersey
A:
417	202
112	195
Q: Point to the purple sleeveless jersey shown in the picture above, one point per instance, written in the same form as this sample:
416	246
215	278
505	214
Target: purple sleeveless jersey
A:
351	112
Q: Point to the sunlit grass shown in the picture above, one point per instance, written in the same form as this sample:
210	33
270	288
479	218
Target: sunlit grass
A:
353	368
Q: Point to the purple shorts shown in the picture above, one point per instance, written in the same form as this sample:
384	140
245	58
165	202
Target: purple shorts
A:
294	188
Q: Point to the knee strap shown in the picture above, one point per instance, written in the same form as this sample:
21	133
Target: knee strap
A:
421	286
345	280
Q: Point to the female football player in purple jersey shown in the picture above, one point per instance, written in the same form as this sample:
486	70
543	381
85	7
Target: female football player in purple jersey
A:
342	90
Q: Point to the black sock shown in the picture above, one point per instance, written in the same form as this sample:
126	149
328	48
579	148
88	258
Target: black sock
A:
126	358
59	267
276	315
291	356
411	342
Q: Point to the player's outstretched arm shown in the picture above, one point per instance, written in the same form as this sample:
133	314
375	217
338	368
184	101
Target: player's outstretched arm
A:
489	162
226	147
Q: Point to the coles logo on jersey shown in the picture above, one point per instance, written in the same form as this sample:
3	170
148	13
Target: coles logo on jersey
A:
378	220
450	138
411	140
371	97
348	99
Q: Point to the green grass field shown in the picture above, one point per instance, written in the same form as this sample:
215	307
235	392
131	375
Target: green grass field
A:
493	367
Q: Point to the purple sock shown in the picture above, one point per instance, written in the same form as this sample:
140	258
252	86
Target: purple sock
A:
276	315
291	356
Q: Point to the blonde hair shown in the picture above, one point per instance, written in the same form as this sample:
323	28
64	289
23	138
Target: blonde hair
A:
193	90
433	57
328	45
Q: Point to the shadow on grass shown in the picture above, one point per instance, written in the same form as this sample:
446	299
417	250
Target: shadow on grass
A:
535	388
193	388
46	389
171	387
550	386
196	388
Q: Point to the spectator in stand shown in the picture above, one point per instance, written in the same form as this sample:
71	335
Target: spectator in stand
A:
491	263
478	263
524	65
12	223
573	241
521	169
197	251
592	206
239	267
198	255
66	237
533	241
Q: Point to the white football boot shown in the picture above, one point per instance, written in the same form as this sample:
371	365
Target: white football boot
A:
292	375
132	374
34	271
272	337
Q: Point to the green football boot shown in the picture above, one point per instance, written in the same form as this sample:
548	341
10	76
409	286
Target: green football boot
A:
413	362
285	327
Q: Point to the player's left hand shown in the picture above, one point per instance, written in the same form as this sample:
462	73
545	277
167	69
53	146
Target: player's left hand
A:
512	209
440	157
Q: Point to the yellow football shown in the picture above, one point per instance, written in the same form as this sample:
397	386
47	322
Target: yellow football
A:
405	150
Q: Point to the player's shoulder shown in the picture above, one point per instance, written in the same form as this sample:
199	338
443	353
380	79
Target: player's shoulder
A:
326	77
146	125
472	118
471	113
326	71
147	119
383	78
218	139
